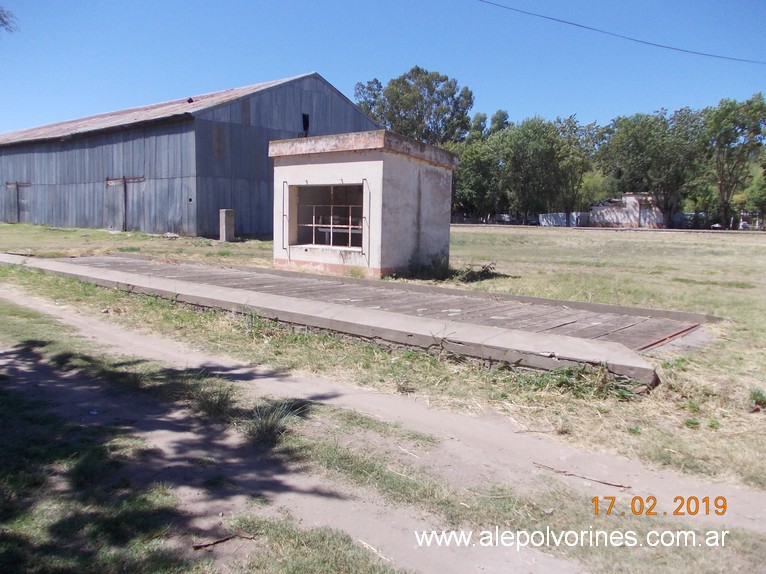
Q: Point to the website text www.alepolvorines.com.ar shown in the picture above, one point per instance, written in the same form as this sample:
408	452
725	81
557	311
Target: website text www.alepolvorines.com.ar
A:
560	538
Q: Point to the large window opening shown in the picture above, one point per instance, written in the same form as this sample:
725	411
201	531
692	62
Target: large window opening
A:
330	215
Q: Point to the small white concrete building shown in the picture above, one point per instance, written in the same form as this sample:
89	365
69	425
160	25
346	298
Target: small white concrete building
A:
633	210
368	204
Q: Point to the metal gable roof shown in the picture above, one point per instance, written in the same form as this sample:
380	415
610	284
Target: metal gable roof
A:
112	120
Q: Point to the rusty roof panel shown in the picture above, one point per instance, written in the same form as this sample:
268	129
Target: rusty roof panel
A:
113	120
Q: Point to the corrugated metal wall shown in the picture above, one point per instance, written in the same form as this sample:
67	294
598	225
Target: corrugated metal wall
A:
71	183
172	176
233	165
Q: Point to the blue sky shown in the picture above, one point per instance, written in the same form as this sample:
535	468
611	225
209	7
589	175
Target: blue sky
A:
76	58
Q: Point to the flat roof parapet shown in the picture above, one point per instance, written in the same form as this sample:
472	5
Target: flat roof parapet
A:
361	141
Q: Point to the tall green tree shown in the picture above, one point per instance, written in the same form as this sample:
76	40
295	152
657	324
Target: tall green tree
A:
529	168
427	106
755	193
498	122
735	132
575	149
528	164
370	99
477	189
658	154
478	129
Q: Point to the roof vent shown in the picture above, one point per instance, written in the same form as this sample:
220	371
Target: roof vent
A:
190	101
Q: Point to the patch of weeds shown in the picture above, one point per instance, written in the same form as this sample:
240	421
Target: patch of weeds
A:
634	429
93	467
729	284
224	253
713	424
691	406
675	364
564	428
692	423
213	399
404	387
758	397
354	420
270	421
288	549
98	522
356	273
471	274
123	444
259	500
680	457
131	249
254	325
580	382
370	468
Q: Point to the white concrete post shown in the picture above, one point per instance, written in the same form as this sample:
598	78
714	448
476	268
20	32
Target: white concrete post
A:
226	225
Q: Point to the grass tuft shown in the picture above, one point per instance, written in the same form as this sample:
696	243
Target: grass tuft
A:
692	423
270	421
758	397
213	399
289	550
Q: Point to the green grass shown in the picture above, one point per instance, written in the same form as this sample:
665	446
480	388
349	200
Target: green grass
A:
269	420
354	421
692	423
579	406
212	397
99	523
758	397
706	273
33	334
290	550
727	284
556	507
285	548
44	241
102	522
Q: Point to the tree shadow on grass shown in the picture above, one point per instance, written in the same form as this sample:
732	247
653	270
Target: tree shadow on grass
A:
65	505
81	494
468	274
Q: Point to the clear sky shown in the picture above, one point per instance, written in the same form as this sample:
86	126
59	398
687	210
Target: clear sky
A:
75	58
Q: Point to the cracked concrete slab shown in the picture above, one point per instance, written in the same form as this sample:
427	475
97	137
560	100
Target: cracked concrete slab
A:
525	348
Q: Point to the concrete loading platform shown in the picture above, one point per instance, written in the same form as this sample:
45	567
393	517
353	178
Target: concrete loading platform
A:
526	332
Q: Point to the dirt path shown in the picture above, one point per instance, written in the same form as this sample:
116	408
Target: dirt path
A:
474	451
179	441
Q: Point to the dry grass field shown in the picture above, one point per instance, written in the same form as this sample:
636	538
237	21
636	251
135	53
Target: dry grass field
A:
710	401
706	418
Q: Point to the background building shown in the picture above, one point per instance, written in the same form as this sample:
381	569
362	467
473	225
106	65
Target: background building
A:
168	167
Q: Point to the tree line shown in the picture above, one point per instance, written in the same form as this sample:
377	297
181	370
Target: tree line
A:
708	161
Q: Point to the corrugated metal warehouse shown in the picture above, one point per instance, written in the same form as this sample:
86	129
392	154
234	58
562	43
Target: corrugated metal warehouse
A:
168	167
